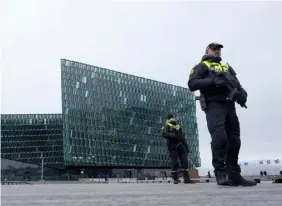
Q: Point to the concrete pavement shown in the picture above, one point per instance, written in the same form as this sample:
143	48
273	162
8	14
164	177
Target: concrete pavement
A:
139	195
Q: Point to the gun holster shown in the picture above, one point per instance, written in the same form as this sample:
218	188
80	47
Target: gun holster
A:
202	102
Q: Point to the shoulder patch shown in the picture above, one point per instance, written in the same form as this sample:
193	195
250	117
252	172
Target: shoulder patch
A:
192	71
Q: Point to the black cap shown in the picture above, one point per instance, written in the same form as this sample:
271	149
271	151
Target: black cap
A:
214	45
169	116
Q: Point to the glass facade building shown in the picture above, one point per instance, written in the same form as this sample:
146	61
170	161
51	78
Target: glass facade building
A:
113	119
109	120
29	137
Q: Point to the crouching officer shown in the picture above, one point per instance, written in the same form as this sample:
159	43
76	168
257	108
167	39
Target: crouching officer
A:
177	147
222	120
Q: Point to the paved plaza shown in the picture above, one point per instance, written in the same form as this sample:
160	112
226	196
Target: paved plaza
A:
139	194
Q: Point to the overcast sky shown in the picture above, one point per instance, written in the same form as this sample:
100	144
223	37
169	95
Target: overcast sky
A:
160	41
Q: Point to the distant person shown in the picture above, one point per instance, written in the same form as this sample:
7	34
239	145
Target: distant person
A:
209	174
177	147
281	172
265	173
261	173
208	76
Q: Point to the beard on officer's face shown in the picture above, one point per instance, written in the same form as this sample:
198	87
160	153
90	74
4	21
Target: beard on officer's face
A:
217	54
172	120
214	52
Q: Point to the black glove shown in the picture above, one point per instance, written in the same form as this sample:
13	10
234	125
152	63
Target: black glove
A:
244	92
241	99
219	82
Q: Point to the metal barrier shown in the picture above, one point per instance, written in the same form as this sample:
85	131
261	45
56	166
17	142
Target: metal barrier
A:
15	183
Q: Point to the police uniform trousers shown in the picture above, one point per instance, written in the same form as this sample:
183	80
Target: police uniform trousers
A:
224	127
178	154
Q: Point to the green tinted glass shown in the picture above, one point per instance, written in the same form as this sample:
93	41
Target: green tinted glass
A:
26	137
112	118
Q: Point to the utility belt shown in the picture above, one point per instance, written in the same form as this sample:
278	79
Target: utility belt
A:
204	101
179	145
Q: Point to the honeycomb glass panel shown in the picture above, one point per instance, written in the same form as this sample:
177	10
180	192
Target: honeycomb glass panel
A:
116	118
29	137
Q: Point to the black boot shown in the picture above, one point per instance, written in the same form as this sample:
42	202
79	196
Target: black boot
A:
186	177
235	179
174	175
221	178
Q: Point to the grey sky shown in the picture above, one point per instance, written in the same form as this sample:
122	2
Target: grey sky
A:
160	41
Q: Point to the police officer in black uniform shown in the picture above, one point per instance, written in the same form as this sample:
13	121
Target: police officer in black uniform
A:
177	147
222	120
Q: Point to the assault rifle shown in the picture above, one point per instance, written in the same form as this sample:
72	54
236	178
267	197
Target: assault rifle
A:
233	86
